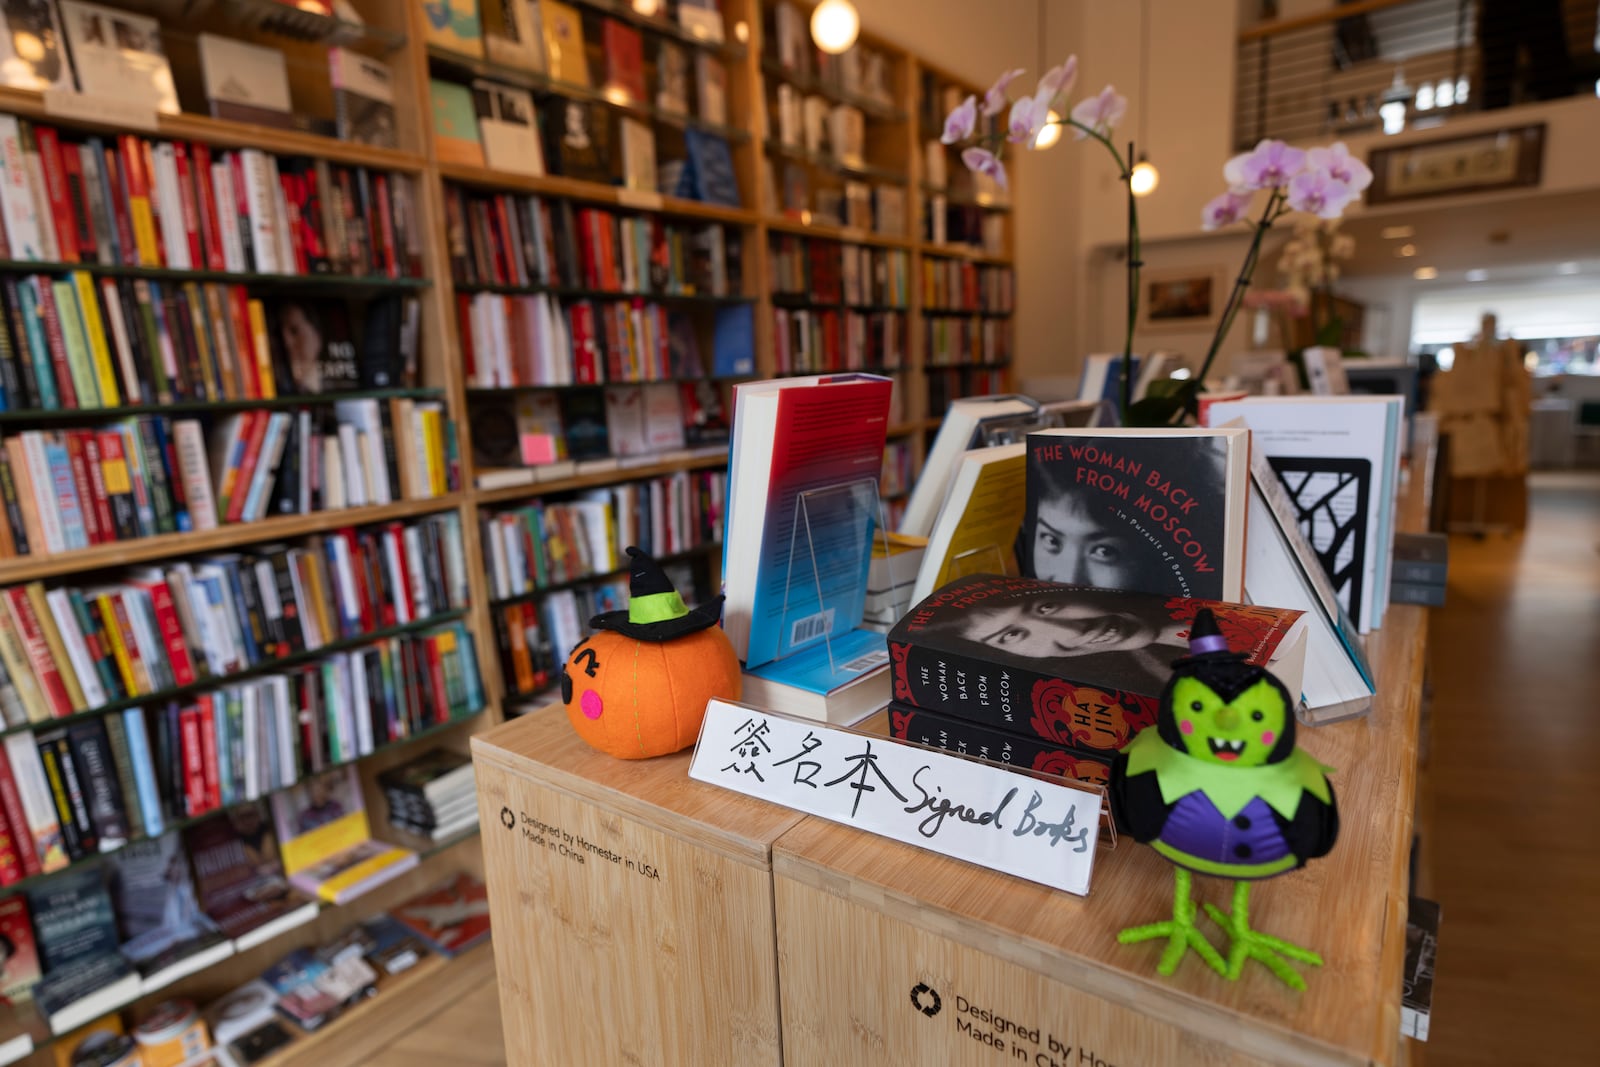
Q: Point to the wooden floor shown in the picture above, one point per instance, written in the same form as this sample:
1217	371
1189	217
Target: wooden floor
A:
1513	835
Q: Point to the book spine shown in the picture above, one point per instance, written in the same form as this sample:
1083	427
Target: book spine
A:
27	627
144	776
60	366
122	764
99	353
55	186
60	802
171	632
194	782
143	221
17	820
39	609
88	511
96	770
209	768
22	756
99	492
92	626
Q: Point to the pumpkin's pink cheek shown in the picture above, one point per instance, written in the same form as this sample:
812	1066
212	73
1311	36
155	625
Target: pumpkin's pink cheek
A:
590	704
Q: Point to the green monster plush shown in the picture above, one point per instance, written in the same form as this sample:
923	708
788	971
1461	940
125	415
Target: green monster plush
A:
1219	788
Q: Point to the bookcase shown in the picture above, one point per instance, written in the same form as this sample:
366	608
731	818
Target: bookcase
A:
739	206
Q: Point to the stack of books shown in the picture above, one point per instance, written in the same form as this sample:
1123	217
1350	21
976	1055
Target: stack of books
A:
450	918
1421	564
432	796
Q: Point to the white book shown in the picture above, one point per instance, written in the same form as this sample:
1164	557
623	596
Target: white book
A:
280	207
44	828
16	198
638	156
44	497
119	336
250	717
305	609
60	603
508	126
265	475
391	559
360	702
959	432
349	461
118	54
333	487
33	167
344	577
412	539
261	191
233	257
190	443
170	205
141	615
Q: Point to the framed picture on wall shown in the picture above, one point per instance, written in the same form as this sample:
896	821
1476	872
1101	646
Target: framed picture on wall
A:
1190	298
1509	158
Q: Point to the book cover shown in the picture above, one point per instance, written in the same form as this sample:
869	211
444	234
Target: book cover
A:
672	79
1416	983
318	344
118	54
33	54
326	840
711	88
44	825
976	531
245	82
73	920
508	125
1058	661
563	43
638	155
711	163
238	873
158	910
363	98
623	48
304	995
581	139
453	25
455	124
390	945
1054	756
513	34
450	918
19	956
1153	511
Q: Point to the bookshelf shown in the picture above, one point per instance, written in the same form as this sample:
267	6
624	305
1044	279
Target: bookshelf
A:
846	181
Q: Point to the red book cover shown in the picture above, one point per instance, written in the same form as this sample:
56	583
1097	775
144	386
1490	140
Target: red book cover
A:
83	225
610	278
147	163
20	971
91	486
171	628
364	595
451	918
505	269
33	643
95	462
208	754
238	300
117	177
247	466
291	199
441	695
17	820
585	349
391	265
624	50
189	206
588	248
210	222
55	186
10	855
55	342
464	330
194	775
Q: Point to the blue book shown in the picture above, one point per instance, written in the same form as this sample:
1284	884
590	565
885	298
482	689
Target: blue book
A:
168	452
712	167
112	244
38	349
73	921
733	344
838	681
144	774
68	505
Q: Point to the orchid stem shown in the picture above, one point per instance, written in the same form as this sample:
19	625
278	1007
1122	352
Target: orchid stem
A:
1134	264
1247	270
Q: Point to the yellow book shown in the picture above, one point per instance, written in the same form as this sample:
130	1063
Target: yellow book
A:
976	530
104	370
563	44
433	439
20	671
263	349
325	841
119	650
58	648
454	25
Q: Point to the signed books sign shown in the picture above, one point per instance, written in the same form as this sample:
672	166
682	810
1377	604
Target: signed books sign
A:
1041	831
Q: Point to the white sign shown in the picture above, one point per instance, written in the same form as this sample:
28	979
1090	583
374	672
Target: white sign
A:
1037	830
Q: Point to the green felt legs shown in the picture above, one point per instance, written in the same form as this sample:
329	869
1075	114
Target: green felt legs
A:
1245	943
1179	931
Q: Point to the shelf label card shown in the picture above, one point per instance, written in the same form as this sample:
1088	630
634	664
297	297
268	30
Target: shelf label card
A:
102	110
1043	831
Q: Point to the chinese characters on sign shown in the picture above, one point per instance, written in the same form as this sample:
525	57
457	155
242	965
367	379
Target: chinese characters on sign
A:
1037	830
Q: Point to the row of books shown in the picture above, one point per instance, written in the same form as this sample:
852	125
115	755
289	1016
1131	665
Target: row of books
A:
72	489
506	239
434	796
812	341
948	384
71	342
899	462
545	543
876	206
946	221
833	273
954	285
72	649
816	124
539	340
136	201
943	174
861	71
957	342
535	637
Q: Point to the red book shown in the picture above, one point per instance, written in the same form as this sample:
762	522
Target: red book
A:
208	754
22	968
117	178
171	629
290	183
194	774
147	161
95	462
464	330
441	696
391	264
624	51
10	855
210	224
190	206
54	341
247	466
39	658
452	918
17	819
55	186
585	348
364	595
96	505
119	618
403	594
83	225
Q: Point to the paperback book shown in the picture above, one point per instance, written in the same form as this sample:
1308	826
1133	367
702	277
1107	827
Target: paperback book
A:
75	928
1056	755
328	850
451	918
165	933
240	878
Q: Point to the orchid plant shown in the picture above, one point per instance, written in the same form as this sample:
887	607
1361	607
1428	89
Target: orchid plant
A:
1091	118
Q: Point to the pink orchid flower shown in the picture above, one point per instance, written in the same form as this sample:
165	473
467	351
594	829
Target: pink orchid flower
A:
1267	166
1225	209
1028	116
1099	113
994	101
1318	193
1059	80
983	161
958	125
1340	165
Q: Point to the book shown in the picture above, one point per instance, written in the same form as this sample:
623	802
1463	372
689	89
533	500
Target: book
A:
1421	558
1102	377
711	88
701	19
976	531
363	99
840	681
326	842
75	930
623	49
1416	981
1051	660
245	82
711	166
240	879
165	933
450	918
453	25
1339	460
513	34
581	138
563	43
1156	511
508	126
244	1010
390	945
44	825
1054	756
638	155
118	54
672	78
959	431
308	992
455	123
19	970
33	53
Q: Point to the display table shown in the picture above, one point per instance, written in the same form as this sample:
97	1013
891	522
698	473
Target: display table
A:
632	907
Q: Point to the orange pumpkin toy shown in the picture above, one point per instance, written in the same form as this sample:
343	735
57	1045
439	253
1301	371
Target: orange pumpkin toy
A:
638	686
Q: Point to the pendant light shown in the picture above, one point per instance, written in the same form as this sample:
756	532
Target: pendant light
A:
1050	133
1144	177
834	26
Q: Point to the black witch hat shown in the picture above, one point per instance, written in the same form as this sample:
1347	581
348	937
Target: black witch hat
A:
655	611
1206	642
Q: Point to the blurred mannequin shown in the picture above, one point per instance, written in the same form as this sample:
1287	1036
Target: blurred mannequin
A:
1482	402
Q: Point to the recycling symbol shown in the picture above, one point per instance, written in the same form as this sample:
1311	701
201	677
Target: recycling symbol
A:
508	818
926	999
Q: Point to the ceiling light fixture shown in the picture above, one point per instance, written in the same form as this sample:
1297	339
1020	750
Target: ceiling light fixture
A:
835	25
1406	251
1425	274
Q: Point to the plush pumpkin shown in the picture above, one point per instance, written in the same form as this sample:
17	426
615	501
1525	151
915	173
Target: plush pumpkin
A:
638	686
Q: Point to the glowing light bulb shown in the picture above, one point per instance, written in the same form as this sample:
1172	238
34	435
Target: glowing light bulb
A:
1050	134
1144	178
834	25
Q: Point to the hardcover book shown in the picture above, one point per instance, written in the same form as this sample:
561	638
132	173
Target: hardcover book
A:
623	48
1154	511
1044	755
246	82
33	54
638	155
455	124
1053	661
165	933
508	126
240	877
581	138
451	918
977	528
118	54
672	78
363	98
711	164
453	25
563	43
961	430
75	929
327	843
19	967
513	33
